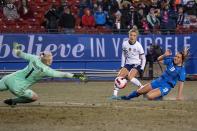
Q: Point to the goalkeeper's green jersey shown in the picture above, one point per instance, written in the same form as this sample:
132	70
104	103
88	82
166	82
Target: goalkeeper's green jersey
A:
34	71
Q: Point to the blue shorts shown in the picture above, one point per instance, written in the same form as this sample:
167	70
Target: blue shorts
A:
162	85
137	67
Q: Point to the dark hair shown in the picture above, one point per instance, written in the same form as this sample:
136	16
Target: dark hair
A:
184	53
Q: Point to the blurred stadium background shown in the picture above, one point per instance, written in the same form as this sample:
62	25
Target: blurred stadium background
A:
86	36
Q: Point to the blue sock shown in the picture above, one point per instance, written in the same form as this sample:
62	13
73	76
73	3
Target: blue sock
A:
133	94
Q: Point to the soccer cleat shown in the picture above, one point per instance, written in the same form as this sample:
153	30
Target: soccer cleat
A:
9	102
113	97
125	98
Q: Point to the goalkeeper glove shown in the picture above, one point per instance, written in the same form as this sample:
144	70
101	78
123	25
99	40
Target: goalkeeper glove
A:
16	48
81	77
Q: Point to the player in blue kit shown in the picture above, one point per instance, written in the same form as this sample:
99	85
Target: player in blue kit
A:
175	71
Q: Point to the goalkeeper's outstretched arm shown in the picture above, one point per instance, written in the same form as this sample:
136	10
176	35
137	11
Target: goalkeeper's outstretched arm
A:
53	73
17	50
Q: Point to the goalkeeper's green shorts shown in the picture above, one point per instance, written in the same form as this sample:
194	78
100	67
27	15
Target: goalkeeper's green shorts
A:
11	84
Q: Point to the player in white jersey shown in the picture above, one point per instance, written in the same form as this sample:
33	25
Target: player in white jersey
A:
132	62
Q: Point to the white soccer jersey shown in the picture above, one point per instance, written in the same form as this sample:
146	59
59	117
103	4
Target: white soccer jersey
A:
131	53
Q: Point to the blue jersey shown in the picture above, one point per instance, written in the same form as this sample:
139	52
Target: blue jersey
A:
173	72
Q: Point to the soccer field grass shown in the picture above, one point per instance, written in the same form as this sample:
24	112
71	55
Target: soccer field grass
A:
73	106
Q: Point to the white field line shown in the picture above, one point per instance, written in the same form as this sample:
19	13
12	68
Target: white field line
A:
93	105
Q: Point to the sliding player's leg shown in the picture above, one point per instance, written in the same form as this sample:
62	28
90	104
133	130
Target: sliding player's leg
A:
159	91
153	94
26	96
146	88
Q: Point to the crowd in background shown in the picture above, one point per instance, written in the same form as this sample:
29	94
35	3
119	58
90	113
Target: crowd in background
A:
150	16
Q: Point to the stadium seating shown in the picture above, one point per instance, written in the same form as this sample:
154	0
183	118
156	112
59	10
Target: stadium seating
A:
39	8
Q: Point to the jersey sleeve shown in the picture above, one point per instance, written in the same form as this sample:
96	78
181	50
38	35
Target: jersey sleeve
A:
123	58
53	73
182	75
167	60
141	50
27	56
142	56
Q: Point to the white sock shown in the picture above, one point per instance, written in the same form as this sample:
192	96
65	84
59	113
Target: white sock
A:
136	82
141	87
115	92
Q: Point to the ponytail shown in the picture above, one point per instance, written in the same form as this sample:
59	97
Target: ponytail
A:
184	54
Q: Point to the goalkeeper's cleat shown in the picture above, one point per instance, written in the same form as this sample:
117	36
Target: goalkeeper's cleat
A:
10	102
125	98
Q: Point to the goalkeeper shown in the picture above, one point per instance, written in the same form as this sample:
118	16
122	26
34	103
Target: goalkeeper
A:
20	81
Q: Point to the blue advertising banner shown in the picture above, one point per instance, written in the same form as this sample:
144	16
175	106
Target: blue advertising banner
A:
89	51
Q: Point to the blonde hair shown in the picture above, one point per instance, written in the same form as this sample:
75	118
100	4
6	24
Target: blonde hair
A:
134	29
46	56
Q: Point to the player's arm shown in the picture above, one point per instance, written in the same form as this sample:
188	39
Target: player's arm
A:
142	57
180	90
59	74
20	53
181	79
143	61
123	57
167	53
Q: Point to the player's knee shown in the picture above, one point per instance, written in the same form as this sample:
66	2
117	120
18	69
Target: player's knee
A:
34	97
130	77
139	91
18	93
122	75
123	72
150	96
132	73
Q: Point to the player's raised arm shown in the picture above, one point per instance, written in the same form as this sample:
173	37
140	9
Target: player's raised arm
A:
167	53
20	53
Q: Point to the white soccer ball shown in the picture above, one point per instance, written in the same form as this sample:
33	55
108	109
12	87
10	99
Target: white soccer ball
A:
120	82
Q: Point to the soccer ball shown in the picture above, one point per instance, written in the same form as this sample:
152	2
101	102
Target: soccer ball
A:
120	82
